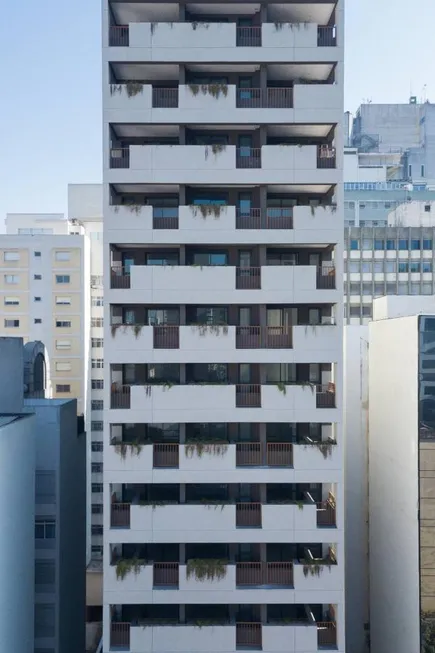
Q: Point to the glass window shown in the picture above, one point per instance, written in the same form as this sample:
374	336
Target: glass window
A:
63	388
414	266
427	266
207	373
62	278
390	266
367	310
210	315
63	344
45	529
415	243
403	266
378	266
391	289
11	323
366	266
63	324
354	266
162	258
391	243
403	243
354	244
62	256
427	289
367	243
402	289
64	301
379	290
379	244
12	278
11	301
415	288
354	311
210	258
355	289
367	288
11	256
427	243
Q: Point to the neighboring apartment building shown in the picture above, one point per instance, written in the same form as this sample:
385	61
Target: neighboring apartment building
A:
223	229
43	599
401	475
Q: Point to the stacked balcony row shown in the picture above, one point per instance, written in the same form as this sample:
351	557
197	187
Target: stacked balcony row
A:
184	36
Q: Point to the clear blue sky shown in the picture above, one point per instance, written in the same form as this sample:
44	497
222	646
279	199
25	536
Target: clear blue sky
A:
51	89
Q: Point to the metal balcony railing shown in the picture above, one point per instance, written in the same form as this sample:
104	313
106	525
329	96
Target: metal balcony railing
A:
118	35
166	574
325	396
248	395
264	573
326	157
120	397
248	515
248	278
165	98
325	278
326	512
166	455
326	634
267	337
272	218
120	157
120	277
248	37
248	157
166	221
270	454
120	515
166	337
326	36
248	635
120	636
267	98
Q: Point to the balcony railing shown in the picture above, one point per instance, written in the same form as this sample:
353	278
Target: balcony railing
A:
166	455
326	512
326	36
248	515
120	278
267	337
264	573
165	574
325	278
325	396
120	515
248	395
166	337
267	98
248	37
165	221
257	454
120	636
272	218
120	397
165	98
248	635
326	634
248	278
326	157
248	157
120	157
118	35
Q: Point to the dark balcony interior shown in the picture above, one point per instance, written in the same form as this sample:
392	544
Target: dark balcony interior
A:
220	494
312	374
235	433
279	316
257	207
245	259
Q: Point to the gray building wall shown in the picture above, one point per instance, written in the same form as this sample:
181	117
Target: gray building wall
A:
60	495
11	366
390	126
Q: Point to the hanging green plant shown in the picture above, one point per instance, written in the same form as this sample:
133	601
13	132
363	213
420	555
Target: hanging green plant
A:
205	447
134	88
115	88
148	389
134	208
137	328
213	329
300	505
313	210
206	569
114	328
127	566
316	566
207	210
282	387
121	448
194	89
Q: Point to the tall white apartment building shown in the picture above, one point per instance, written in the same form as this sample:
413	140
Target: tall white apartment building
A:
223	231
51	289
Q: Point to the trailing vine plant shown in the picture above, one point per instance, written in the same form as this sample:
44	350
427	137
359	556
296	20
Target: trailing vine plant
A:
216	90
206	569
134	88
282	387
215	329
211	448
127	566
121	448
207	210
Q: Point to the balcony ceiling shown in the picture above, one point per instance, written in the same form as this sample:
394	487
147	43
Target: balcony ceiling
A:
291	72
139	189
147	130
293	12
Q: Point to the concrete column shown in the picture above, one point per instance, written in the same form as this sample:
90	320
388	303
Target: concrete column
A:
183	314
182	493
182	255
182	138
182	433
182	554
182	613
182	374
263	77
263	552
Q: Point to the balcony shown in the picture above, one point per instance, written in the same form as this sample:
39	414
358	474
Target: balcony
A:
296	637
256	337
191	284
270	219
190	164
269	98
229	521
257	574
223	37
270	454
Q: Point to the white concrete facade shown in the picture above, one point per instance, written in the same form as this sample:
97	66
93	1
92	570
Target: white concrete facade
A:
223	234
